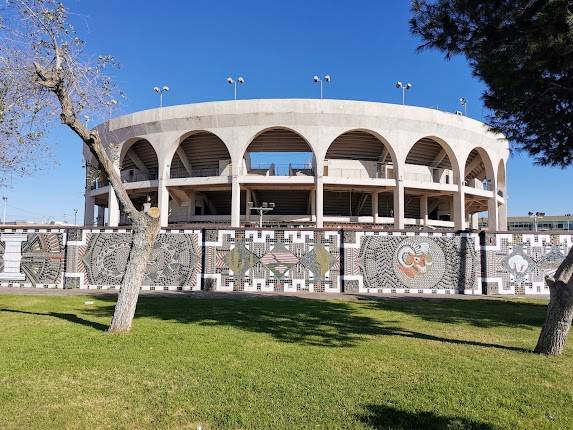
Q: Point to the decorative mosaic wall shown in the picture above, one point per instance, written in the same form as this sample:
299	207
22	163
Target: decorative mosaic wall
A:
32	258
97	259
400	262
272	260
517	263
291	260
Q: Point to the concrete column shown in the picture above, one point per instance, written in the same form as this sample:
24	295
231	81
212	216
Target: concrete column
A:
163	204
399	204
459	209
313	206
236	202
319	202
100	216
191	210
492	222
89	209
502	215
474	219
424	209
248	199
113	209
375	207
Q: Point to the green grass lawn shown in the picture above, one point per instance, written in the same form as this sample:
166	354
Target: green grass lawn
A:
265	362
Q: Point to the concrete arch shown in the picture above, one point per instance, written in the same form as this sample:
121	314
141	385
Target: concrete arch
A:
145	161
486	159
451	155
259	133
217	148
382	140
176	142
127	144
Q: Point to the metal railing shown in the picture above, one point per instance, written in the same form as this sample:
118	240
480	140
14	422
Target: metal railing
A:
195	173
434	175
99	183
381	171
280	170
478	185
132	176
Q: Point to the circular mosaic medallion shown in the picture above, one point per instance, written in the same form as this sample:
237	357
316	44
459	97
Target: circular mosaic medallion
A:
419	262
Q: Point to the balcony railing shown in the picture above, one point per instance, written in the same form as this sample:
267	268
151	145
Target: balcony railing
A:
99	183
479	185
131	176
280	170
195	173
371	170
434	175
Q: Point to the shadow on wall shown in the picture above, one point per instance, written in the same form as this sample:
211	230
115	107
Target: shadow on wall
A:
384	417
320	322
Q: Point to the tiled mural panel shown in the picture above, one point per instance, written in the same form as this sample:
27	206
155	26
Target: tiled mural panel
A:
97	259
288	260
272	260
400	262
517	263
32	258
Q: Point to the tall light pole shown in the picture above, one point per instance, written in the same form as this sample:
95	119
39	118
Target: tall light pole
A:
535	217
75	216
464	103
404	88
5	199
317	80
110	106
160	91
233	82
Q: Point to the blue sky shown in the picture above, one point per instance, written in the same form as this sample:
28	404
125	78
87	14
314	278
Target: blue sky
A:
278	46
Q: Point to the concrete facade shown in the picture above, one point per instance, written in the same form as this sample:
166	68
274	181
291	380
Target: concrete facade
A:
372	163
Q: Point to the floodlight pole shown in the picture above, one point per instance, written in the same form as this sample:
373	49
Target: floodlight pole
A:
464	103
75	216
535	216
232	81
262	210
160	91
404	87
5	199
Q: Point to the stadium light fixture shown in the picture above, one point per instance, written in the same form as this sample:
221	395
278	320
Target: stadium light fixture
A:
160	91
318	80
234	82
404	88
464	103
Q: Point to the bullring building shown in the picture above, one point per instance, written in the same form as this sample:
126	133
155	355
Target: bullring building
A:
323	163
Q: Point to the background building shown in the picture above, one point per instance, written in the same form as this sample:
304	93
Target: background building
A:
321	162
545	223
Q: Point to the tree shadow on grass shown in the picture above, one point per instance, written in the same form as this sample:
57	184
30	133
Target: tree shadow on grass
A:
309	321
383	417
482	313
63	316
291	320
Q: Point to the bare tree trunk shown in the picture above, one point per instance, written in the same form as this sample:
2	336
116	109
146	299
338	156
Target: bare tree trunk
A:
559	311
145	231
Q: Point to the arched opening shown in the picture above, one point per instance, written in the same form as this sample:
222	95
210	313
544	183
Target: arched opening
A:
429	161
200	154
359	154
478	176
278	152
139	162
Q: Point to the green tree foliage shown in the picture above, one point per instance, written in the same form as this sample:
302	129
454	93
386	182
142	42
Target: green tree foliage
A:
523	52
